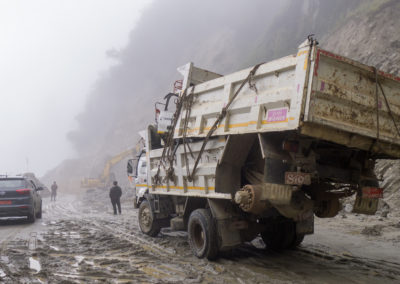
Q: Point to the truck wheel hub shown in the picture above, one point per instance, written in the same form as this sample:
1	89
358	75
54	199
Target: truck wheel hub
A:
146	217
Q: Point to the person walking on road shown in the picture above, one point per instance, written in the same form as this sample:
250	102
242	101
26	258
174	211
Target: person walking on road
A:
54	187
115	195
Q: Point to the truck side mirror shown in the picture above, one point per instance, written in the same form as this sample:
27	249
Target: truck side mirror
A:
130	168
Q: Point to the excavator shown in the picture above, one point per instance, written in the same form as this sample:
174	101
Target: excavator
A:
107	177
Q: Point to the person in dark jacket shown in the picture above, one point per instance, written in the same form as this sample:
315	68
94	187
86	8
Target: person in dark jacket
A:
115	195
54	188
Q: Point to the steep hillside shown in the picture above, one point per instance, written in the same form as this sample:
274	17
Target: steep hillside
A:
221	36
373	37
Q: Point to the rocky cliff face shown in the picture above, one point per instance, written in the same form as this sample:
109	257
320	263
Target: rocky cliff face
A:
373	37
220	36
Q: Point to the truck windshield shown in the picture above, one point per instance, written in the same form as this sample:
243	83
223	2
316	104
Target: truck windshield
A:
12	183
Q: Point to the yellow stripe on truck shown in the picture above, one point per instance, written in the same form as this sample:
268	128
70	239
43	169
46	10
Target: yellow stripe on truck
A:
189	187
243	124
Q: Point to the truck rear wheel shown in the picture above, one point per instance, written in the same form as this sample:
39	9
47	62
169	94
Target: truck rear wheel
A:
281	235
147	223
298	239
202	234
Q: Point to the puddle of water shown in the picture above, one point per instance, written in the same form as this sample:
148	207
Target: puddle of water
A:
154	272
2	274
70	275
78	276
79	259
73	235
54	248
34	264
90	262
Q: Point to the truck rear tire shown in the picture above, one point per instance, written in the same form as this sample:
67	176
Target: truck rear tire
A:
281	235
147	223
297	241
202	234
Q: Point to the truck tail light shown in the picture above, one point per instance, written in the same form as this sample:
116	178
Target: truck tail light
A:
372	192
290	146
23	191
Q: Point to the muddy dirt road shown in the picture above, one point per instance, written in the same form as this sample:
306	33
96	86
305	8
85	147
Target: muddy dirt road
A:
80	241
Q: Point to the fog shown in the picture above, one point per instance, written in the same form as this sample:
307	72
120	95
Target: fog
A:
51	53
215	35
222	36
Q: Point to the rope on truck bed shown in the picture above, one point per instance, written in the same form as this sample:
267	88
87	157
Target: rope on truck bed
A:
185	101
378	84
390	111
249	79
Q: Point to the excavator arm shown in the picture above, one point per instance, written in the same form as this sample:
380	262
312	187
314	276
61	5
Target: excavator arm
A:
114	160
106	176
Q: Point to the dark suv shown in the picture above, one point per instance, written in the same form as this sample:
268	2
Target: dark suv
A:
19	197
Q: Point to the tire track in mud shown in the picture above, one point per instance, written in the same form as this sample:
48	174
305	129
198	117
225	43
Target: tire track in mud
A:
387	269
153	263
88	245
248	263
70	211
312	264
166	263
334	264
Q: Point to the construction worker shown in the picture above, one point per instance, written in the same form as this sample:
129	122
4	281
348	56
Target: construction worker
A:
115	195
54	187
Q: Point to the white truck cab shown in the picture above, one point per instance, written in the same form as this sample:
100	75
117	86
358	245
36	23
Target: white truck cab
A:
137	171
137	174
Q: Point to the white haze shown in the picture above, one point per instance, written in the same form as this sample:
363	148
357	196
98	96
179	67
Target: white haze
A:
51	53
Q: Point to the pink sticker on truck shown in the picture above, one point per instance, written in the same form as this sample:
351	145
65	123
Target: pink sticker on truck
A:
277	114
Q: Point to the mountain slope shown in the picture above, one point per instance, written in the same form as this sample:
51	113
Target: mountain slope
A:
221	36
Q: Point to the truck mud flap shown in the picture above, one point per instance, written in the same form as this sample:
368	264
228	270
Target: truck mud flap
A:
365	205
305	227
367	202
223	213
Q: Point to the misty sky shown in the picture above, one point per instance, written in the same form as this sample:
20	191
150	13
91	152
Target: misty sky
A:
51	53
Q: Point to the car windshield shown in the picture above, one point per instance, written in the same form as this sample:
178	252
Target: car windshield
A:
11	183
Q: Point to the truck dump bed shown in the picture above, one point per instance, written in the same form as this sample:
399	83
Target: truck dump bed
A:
316	92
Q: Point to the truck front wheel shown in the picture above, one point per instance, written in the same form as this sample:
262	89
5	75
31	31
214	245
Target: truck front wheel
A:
147	223
202	234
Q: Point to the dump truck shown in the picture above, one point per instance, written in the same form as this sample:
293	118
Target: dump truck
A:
261	151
